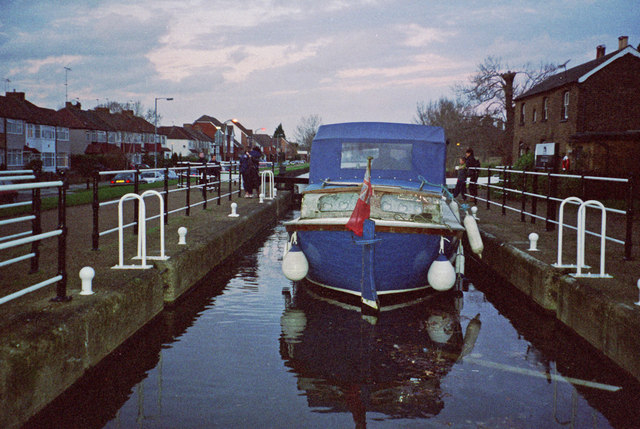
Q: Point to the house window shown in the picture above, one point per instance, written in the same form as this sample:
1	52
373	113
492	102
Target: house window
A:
31	131
534	117
48	159
2	126
564	114
14	157
522	113
545	108
15	126
63	133
48	133
62	160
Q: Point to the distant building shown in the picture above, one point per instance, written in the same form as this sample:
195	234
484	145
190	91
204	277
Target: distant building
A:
592	111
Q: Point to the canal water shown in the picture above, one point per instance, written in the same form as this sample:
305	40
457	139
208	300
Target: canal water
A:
249	349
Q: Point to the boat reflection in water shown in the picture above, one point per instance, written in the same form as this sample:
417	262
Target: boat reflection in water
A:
392	364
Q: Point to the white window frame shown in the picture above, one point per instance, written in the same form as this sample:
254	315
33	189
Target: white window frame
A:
565	105
545	108
15	126
62	134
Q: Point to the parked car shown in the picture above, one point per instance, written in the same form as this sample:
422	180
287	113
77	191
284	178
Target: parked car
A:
8	196
151	176
123	179
172	174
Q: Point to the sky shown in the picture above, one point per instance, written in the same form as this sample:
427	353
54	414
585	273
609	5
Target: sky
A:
266	62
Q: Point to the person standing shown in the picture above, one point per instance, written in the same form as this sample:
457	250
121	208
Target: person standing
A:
461	184
245	167
470	161
255	156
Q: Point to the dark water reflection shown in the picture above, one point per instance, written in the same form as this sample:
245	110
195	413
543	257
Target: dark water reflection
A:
249	349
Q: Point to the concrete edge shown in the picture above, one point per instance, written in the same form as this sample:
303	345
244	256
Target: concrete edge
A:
58	345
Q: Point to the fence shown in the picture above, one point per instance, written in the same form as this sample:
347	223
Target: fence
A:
35	235
525	191
186	174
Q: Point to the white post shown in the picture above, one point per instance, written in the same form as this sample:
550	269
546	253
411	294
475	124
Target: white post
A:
638	284
182	234
86	275
533	242
234	207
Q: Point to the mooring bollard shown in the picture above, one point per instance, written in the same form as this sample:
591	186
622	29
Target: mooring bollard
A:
182	235
234	207
261	198
86	275
474	211
638	284
533	242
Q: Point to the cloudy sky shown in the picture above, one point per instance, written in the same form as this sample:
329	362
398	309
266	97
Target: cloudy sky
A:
267	62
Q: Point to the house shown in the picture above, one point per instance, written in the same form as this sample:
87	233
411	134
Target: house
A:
225	147
185	141
29	132
592	111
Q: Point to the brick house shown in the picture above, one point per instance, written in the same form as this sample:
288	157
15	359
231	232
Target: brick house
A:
592	111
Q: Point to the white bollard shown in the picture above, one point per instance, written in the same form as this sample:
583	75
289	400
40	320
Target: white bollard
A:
474	211
261	198
533	242
182	235
638	284
234	207
86	275
275	192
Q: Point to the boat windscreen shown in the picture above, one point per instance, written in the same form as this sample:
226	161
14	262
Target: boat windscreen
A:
386	156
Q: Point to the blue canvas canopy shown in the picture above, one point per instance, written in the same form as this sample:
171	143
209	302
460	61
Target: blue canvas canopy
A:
402	153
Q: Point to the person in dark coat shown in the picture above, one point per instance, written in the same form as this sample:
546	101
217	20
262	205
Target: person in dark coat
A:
255	156
245	172
471	161
461	184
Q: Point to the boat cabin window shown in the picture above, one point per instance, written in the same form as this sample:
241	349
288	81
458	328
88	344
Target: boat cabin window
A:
386	156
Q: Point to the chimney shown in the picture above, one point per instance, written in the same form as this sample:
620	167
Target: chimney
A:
622	42
600	51
16	95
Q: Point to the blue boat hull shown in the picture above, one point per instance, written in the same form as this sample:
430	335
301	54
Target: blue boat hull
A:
400	263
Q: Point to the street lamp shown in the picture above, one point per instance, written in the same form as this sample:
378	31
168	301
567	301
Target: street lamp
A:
155	129
226	137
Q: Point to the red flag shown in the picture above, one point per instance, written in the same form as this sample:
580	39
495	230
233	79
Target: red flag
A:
363	208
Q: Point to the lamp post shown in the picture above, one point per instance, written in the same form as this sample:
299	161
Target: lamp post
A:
226	137
155	129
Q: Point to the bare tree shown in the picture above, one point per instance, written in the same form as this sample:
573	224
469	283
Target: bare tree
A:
462	126
135	106
492	90
307	129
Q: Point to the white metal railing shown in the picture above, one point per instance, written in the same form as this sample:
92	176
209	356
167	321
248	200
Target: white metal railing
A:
267	184
34	236
506	189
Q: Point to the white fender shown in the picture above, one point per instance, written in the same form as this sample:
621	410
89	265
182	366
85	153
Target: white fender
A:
473	234
441	275
294	264
455	208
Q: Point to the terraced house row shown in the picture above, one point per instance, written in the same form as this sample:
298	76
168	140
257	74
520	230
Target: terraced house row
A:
29	132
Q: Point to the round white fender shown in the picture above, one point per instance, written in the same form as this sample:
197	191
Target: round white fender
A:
294	264
473	234
441	275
